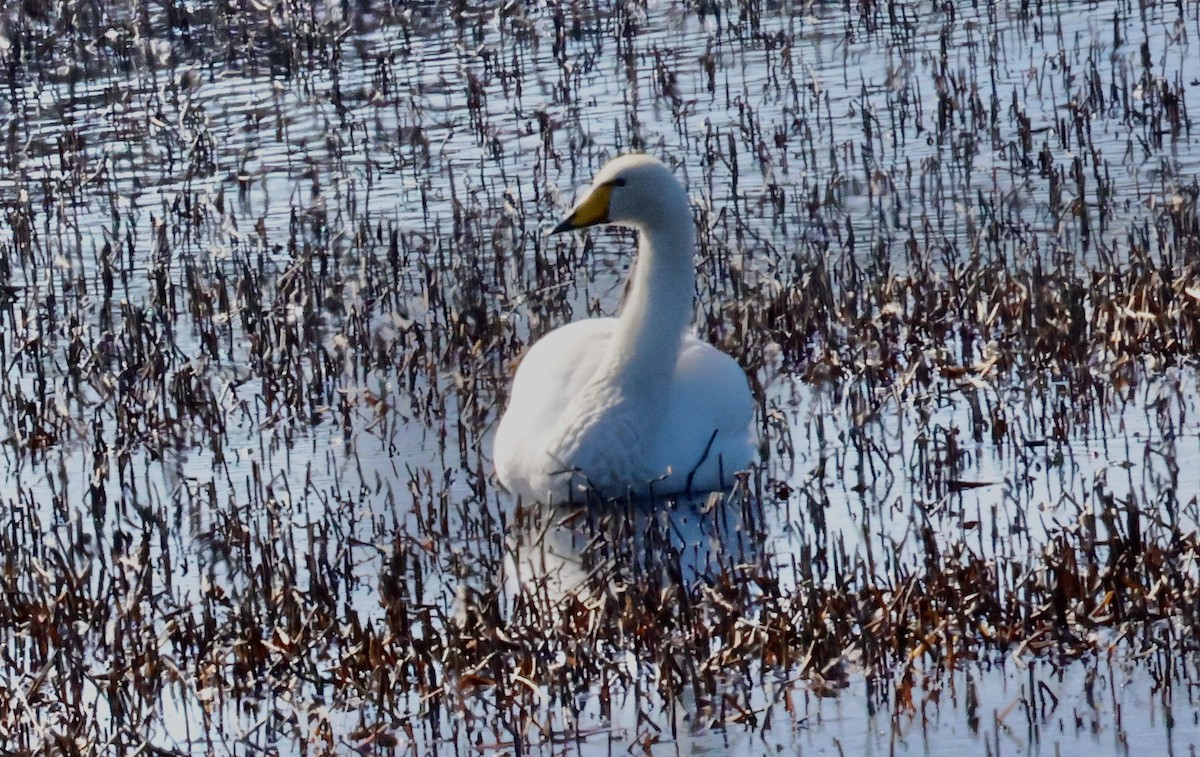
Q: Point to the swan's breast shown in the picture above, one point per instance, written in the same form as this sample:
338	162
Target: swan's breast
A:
602	436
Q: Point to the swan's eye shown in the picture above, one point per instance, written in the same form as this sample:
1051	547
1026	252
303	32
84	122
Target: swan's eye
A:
618	182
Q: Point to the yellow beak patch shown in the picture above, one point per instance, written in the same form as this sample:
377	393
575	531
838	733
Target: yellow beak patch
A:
591	210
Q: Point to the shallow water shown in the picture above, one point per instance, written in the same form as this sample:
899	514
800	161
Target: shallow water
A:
270	279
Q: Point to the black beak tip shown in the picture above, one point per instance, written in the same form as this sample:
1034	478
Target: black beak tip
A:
564	225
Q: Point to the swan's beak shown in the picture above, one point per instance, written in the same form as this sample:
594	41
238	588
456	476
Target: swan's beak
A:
591	210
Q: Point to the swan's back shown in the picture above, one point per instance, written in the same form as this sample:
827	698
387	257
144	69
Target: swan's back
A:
706	431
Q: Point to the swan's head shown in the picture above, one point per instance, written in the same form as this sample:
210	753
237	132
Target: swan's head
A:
632	190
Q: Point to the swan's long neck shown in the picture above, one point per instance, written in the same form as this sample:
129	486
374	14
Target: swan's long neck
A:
657	311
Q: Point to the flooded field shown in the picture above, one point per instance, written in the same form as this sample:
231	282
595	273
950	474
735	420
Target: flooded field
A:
266	270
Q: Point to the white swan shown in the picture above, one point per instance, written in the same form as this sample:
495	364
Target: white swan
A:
632	405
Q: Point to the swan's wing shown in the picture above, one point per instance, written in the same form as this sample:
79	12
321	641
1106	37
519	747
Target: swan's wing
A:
710	395
552	371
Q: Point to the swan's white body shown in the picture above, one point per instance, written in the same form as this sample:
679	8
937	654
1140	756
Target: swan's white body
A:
631	405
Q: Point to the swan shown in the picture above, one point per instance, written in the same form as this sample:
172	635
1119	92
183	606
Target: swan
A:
633	405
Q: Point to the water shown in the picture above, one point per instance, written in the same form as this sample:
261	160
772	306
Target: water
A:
269	279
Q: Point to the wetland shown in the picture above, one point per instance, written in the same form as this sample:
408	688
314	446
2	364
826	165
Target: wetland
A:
267	268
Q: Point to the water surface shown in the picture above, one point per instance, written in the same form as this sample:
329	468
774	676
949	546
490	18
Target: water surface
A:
268	270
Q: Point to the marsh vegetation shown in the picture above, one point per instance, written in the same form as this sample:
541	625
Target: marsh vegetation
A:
266	269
